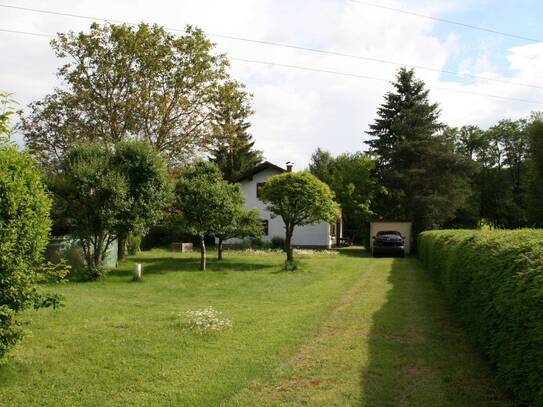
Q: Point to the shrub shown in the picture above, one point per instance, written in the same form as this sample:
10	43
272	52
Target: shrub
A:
495	281
207	320
277	242
24	231
133	243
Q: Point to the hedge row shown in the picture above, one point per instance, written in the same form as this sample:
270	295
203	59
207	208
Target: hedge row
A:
495	281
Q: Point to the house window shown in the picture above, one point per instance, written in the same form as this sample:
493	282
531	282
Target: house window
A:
259	186
265	225
332	229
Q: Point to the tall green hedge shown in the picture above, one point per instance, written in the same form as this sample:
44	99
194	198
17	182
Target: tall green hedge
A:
24	229
495	281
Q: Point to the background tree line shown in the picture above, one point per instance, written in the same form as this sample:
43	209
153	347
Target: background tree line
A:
420	170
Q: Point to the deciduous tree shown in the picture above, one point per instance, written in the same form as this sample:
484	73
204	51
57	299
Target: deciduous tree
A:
299	199
148	190
93	195
122	82
237	222
203	198
350	176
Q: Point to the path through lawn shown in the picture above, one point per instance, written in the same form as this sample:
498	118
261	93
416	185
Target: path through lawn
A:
346	330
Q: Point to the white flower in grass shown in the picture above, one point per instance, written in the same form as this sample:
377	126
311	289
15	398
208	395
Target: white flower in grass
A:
207	320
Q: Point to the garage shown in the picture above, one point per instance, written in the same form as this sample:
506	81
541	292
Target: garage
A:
403	227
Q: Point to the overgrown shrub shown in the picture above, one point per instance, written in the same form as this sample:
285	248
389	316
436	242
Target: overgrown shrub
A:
24	231
495	281
133	244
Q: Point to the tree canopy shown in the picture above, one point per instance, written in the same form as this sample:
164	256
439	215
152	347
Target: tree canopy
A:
148	190
299	199
126	82
206	203
233	149
103	193
350	176
425	179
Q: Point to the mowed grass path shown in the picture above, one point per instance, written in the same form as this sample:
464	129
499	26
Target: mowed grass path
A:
345	330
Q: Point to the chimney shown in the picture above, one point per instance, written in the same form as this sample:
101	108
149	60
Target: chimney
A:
289	166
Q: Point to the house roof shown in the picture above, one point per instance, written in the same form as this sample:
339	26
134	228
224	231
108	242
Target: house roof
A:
260	167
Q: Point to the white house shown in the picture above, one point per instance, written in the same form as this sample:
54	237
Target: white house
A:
321	235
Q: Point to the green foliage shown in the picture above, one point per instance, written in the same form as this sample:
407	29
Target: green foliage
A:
133	244
149	190
93	194
234	221
350	176
24	232
277	242
207	204
354	317
7	109
535	192
299	199
502	181
122	81
425	179
495	280
105	193
232	148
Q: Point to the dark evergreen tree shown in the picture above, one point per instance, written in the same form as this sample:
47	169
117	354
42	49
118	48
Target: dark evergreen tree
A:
535	194
425	177
233	150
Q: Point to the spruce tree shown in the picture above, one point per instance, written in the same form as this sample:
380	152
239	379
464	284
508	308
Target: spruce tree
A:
233	150
425	179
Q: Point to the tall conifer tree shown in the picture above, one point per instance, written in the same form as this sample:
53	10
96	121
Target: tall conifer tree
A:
233	151
424	176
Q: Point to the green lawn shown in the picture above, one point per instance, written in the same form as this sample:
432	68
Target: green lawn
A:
345	330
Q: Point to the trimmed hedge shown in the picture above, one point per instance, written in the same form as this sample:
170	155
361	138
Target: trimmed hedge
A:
495	281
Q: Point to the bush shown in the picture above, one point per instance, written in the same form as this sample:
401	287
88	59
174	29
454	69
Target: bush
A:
133	243
495	281
24	231
277	242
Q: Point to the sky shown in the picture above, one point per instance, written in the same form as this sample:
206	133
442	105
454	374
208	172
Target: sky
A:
296	110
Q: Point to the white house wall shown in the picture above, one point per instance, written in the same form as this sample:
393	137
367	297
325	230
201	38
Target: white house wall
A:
317	235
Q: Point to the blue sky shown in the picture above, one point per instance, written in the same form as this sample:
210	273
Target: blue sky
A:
298	111
520	17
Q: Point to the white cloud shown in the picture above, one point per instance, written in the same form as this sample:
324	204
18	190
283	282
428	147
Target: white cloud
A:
296	111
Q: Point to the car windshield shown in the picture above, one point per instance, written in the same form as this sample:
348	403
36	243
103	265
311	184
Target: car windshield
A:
388	232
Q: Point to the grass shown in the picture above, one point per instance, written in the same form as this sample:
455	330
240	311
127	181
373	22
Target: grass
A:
343	330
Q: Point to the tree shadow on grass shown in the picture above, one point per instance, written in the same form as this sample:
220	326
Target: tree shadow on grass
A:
164	265
418	353
358	251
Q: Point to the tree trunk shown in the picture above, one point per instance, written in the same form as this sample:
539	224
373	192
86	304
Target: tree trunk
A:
122	239
202	254
219	249
288	244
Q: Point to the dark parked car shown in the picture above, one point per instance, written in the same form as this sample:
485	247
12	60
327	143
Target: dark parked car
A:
388	242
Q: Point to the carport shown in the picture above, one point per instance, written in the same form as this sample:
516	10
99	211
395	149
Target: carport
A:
403	227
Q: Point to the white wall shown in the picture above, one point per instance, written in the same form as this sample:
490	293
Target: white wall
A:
309	235
403	227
